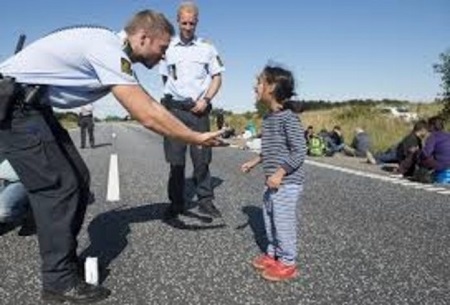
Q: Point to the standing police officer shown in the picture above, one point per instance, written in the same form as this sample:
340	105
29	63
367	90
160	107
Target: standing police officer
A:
86	122
191	72
66	69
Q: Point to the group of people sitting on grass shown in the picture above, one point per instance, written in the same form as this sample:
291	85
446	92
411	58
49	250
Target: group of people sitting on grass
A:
325	143
422	155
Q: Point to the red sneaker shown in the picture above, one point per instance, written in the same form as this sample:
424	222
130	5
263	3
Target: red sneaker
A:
280	272
263	261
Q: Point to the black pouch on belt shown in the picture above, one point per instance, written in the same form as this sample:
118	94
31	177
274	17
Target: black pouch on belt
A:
9	90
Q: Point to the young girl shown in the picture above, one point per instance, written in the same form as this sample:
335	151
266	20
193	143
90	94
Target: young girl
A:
282	155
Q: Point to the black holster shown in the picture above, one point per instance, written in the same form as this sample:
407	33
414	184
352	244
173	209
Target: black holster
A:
168	102
184	105
13	94
9	92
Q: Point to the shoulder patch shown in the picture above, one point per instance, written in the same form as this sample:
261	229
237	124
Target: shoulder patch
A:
219	61
125	66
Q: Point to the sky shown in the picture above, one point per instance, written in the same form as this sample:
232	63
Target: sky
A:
337	49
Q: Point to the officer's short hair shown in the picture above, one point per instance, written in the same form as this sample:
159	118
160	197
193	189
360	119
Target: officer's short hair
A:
188	6
154	22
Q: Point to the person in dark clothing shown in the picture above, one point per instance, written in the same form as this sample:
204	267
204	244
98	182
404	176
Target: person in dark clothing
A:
436	151
387	156
360	144
192	76
329	147
66	69
309	132
14	203
336	143
336	135
434	158
408	145
408	149
229	132
220	120
86	122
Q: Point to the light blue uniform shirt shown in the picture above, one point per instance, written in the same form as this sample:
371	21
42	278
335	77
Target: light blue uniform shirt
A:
79	65
189	67
7	172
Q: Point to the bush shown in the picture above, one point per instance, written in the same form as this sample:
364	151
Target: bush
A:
356	112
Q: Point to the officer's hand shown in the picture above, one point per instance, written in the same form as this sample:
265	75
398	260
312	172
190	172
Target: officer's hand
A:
211	139
200	106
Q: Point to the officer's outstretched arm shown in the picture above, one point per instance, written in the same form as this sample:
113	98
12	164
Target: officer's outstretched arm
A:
152	115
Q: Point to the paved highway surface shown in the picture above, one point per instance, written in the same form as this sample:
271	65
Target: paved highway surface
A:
364	239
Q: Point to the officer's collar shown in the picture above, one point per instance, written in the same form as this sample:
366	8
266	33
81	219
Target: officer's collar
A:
177	41
122	36
125	44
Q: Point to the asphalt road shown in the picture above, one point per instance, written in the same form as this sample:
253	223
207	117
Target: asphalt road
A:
361	240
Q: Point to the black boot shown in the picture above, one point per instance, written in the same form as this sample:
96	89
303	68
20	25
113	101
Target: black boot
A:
206	206
82	293
28	225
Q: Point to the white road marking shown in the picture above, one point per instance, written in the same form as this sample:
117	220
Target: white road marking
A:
413	184
394	179
435	189
420	186
113	193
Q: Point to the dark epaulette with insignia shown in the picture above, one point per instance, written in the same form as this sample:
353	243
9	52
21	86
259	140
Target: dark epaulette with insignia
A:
81	26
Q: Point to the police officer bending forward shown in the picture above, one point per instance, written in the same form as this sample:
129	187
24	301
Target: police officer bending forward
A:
66	69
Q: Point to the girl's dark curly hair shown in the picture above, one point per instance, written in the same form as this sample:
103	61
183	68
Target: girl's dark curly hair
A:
284	87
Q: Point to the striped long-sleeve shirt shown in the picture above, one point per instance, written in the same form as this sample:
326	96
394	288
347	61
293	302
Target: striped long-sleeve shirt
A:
283	144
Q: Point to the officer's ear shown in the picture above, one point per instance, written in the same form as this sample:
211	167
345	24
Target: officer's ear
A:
142	36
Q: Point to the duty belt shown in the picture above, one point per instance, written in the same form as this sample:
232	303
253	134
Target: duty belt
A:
14	95
185	105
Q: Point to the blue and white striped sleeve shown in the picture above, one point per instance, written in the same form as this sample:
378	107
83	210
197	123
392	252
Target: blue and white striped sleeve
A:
296	143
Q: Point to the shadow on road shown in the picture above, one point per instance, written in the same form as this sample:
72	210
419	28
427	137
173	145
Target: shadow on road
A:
102	145
256	223
108	231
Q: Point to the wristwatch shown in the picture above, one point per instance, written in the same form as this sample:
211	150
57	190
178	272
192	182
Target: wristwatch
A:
207	99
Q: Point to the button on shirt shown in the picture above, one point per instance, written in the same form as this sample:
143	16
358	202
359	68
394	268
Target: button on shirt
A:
78	64
189	67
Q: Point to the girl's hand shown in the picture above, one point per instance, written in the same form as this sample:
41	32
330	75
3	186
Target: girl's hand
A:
246	167
274	181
